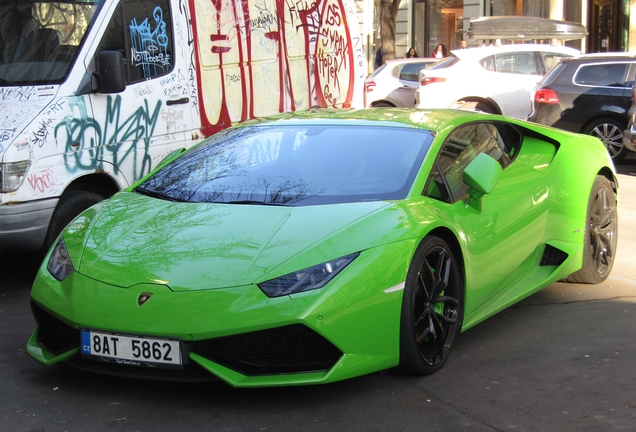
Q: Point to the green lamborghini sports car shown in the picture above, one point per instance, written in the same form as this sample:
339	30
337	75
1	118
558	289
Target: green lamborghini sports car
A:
318	246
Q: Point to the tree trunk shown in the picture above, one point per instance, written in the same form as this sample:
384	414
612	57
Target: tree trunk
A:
388	15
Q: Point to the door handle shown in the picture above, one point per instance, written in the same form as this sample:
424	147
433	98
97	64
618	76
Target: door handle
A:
183	100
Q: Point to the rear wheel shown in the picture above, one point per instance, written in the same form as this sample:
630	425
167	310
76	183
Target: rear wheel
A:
601	236
383	105
69	206
431	308
610	131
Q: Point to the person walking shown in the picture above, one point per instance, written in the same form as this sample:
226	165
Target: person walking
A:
411	53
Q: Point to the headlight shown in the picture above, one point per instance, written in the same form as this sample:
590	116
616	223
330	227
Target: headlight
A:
12	174
60	265
307	279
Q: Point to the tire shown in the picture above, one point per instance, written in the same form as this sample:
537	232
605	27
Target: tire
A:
383	105
432	308
610	131
69	206
600	239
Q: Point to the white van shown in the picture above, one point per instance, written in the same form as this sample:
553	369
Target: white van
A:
94	94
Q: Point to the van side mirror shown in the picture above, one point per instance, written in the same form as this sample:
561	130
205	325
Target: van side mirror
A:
112	72
481	175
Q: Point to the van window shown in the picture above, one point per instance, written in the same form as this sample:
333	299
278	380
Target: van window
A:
40	40
142	31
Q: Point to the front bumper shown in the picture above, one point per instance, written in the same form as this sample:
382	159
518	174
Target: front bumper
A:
348	328
23	226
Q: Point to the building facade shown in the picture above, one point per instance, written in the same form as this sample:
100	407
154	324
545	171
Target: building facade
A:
423	24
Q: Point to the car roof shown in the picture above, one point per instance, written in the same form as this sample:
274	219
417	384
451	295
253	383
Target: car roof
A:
609	56
429	119
481	52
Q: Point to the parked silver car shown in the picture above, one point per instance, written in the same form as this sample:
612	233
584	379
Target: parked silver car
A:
629	135
393	84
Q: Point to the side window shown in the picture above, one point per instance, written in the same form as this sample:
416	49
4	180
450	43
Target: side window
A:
488	63
142	31
517	63
550	59
460	148
602	75
411	71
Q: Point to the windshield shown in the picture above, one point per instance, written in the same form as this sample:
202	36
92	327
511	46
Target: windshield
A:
295	165
39	40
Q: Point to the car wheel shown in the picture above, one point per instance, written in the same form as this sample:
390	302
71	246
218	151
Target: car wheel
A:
431	308
609	131
383	105
69	206
600	234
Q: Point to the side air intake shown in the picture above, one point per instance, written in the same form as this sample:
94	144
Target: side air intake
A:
552	256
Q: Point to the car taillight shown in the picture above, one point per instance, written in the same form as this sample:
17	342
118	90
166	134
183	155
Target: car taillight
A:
369	85
546	96
430	80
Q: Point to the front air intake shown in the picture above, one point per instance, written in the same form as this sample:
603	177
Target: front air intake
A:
54	335
289	349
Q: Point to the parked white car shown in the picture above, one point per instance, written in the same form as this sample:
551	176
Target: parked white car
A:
494	79
394	83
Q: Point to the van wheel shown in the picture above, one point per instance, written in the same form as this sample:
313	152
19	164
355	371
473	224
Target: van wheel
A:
609	131
69	206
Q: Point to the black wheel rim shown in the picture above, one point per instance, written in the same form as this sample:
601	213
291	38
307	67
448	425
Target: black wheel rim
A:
612	137
435	306
603	231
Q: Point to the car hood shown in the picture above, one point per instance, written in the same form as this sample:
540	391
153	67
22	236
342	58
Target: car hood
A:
135	239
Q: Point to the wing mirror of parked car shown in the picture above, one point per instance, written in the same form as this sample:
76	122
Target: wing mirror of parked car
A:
481	176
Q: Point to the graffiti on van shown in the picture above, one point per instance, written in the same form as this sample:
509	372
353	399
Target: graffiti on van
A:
116	139
149	48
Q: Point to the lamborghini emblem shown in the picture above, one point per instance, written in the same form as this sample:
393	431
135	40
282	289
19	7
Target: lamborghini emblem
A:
143	298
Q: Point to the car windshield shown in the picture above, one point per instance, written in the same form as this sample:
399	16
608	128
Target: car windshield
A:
295	165
40	39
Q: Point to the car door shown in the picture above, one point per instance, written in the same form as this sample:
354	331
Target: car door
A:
603	87
503	230
151	117
516	75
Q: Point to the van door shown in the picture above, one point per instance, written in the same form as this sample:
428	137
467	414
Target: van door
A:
138	127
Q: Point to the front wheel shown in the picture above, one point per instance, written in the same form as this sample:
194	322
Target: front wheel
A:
431	308
601	234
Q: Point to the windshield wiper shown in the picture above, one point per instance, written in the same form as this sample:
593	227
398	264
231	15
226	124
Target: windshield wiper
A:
155	194
255	202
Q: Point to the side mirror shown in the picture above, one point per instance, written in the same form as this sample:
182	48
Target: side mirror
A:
481	175
112	72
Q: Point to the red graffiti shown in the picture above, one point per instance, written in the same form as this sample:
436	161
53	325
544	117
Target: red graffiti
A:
40	182
321	25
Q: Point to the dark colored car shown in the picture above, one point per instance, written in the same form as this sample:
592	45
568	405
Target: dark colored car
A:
590	94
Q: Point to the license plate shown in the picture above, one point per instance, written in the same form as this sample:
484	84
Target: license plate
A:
131	350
